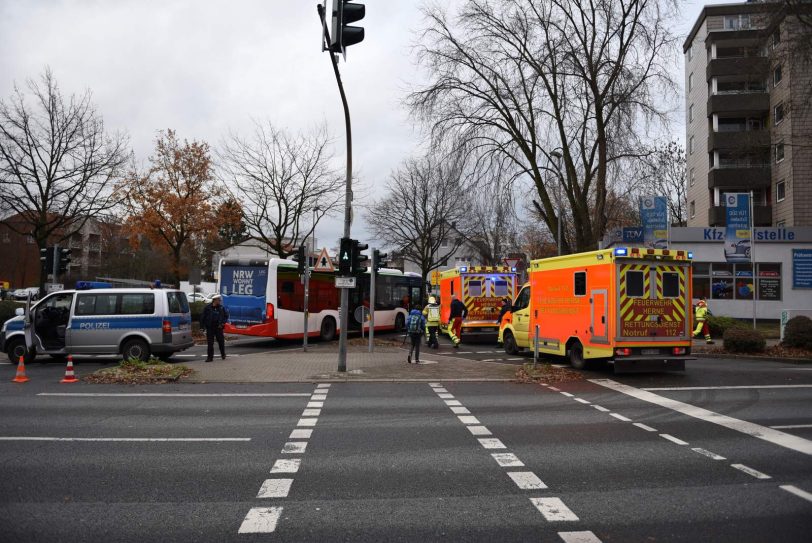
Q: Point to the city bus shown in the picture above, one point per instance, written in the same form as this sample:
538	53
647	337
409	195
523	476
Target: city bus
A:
265	298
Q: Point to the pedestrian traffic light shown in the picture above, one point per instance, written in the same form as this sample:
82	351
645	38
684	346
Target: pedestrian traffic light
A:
63	260
345	257
378	259
344	35
301	258
46	256
358	259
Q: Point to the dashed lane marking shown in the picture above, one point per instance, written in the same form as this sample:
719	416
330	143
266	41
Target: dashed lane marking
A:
438	390
127	439
294	447
644	427
567	394
318	397
792	426
583	401
275	488
578	537
600	408
507	460
526	480
750	471
260	520
797	491
307	422
446	396
707	453
555	389
673	439
620	417
777	437
468	419
315	404
323	385
311	412
176	395
479	430
491	443
484	352
460	410
728	387
286	466
453	403
554	509
434	385
301	433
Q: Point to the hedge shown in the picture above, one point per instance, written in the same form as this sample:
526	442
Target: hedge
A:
719	325
798	332
744	340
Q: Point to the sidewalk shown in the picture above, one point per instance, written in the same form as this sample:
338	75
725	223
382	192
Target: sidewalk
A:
321	364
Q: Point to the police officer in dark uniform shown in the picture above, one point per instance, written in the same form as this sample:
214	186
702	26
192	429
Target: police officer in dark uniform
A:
214	317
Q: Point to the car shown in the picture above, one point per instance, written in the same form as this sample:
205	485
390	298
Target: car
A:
194	297
22	293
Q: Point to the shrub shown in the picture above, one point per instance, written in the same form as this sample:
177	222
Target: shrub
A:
7	309
719	325
798	332
744	340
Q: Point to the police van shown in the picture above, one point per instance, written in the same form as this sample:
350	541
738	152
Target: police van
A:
133	322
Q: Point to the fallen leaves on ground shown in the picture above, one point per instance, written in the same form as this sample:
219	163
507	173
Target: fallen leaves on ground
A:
138	375
360	342
546	373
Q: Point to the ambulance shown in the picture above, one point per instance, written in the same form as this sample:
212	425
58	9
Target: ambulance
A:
628	306
482	289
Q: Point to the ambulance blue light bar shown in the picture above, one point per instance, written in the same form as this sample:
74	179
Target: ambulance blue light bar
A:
513	269
463	269
690	254
621	251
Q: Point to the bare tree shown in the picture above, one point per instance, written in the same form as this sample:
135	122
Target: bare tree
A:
526	79
57	162
493	223
663	172
425	214
282	181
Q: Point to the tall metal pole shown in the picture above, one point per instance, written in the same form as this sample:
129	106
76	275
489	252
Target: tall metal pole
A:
753	256
306	300
345	295
559	230
56	264
372	277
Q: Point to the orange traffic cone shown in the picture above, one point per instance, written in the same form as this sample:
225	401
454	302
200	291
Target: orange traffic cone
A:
20	377
70	377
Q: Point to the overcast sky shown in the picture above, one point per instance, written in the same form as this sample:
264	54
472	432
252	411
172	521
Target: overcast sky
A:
204	67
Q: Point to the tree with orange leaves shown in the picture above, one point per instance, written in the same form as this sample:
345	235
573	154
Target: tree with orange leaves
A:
175	204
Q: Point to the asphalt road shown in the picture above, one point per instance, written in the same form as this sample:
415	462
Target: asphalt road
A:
605	459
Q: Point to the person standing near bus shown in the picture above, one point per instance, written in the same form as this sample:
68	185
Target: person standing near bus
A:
214	318
415	326
432	314
458	312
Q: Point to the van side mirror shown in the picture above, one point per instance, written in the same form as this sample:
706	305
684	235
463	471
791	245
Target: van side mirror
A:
19	312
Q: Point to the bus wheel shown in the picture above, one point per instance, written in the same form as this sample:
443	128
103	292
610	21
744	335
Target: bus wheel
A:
328	329
577	356
135	348
400	322
510	343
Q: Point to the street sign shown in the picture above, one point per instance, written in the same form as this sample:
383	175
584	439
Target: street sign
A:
323	263
194	276
511	262
54	287
345	282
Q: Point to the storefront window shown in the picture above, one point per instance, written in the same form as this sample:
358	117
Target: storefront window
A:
769	282
701	280
745	285
722	281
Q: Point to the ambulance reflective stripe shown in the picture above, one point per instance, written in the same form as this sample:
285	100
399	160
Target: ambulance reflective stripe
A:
627	312
677	304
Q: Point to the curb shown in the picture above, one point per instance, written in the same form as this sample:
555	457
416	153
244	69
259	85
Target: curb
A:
334	380
736	356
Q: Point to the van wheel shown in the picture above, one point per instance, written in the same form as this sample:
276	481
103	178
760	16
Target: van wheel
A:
135	348
577	356
16	348
328	329
510	343
400	322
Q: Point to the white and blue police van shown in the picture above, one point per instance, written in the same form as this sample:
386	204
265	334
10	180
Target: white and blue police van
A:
94	319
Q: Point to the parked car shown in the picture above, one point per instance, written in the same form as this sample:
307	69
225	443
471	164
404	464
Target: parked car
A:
22	293
197	297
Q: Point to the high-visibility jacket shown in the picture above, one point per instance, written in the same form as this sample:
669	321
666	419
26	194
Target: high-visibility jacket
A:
432	314
701	313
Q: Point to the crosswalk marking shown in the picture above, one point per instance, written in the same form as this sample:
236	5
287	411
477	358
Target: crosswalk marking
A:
260	520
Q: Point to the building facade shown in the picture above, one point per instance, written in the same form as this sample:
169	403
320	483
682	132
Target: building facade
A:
748	118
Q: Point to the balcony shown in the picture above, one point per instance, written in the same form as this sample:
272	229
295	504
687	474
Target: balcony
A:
763	216
744	66
749	35
742	103
744	139
740	177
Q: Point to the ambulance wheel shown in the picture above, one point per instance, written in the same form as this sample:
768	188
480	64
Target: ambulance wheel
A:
577	356
328	329
135	348
400	322
15	349
510	343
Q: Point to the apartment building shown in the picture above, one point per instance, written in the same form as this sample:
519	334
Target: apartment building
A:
748	110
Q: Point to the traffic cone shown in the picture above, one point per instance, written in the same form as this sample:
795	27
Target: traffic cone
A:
20	377
70	377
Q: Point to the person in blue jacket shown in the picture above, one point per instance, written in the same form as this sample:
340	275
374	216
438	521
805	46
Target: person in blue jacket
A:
415	328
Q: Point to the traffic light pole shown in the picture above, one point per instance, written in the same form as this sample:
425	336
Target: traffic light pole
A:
56	264
345	295
372	276
306	303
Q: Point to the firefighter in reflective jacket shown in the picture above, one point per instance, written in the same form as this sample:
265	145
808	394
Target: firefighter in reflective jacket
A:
432	314
701	317
458	312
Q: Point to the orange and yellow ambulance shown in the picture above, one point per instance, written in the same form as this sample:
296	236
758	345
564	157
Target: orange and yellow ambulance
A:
481	289
628	306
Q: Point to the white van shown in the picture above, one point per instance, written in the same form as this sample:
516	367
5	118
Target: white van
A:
133	322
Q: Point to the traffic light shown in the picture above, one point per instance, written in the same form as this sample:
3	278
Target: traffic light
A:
378	259
344	35
345	257
358	259
63	256
46	256
301	258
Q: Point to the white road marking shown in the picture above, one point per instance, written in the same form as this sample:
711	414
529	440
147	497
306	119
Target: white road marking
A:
526	480
294	447
673	439
315	404
514	359
709	454
620	417
311	412
797	491
578	537
491	443
600	408
479	430
729	387
792	426
567	394
175	395
490	359
554	509
275	488
434	385
545	384
460	411
644	427
553	388
750	471
468	419
559	365
507	460
300	433
323	385
484	352
583	401
440	389
307	422
446	396
318	397
125	439
777	437
453	402
465	352
286	466
260	520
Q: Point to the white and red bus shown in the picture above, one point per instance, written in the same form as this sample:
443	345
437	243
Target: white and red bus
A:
265	298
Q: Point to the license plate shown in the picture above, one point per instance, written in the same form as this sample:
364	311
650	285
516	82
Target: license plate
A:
650	351
183	327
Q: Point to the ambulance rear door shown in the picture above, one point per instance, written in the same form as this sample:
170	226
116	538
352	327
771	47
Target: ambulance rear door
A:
652	300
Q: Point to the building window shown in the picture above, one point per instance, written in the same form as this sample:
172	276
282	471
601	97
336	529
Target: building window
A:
691	51
693	208
777	75
779	113
777	37
780	191
779	152
691	177
691	113
691	146
769	281
6	237
690	81
737	22
444	243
